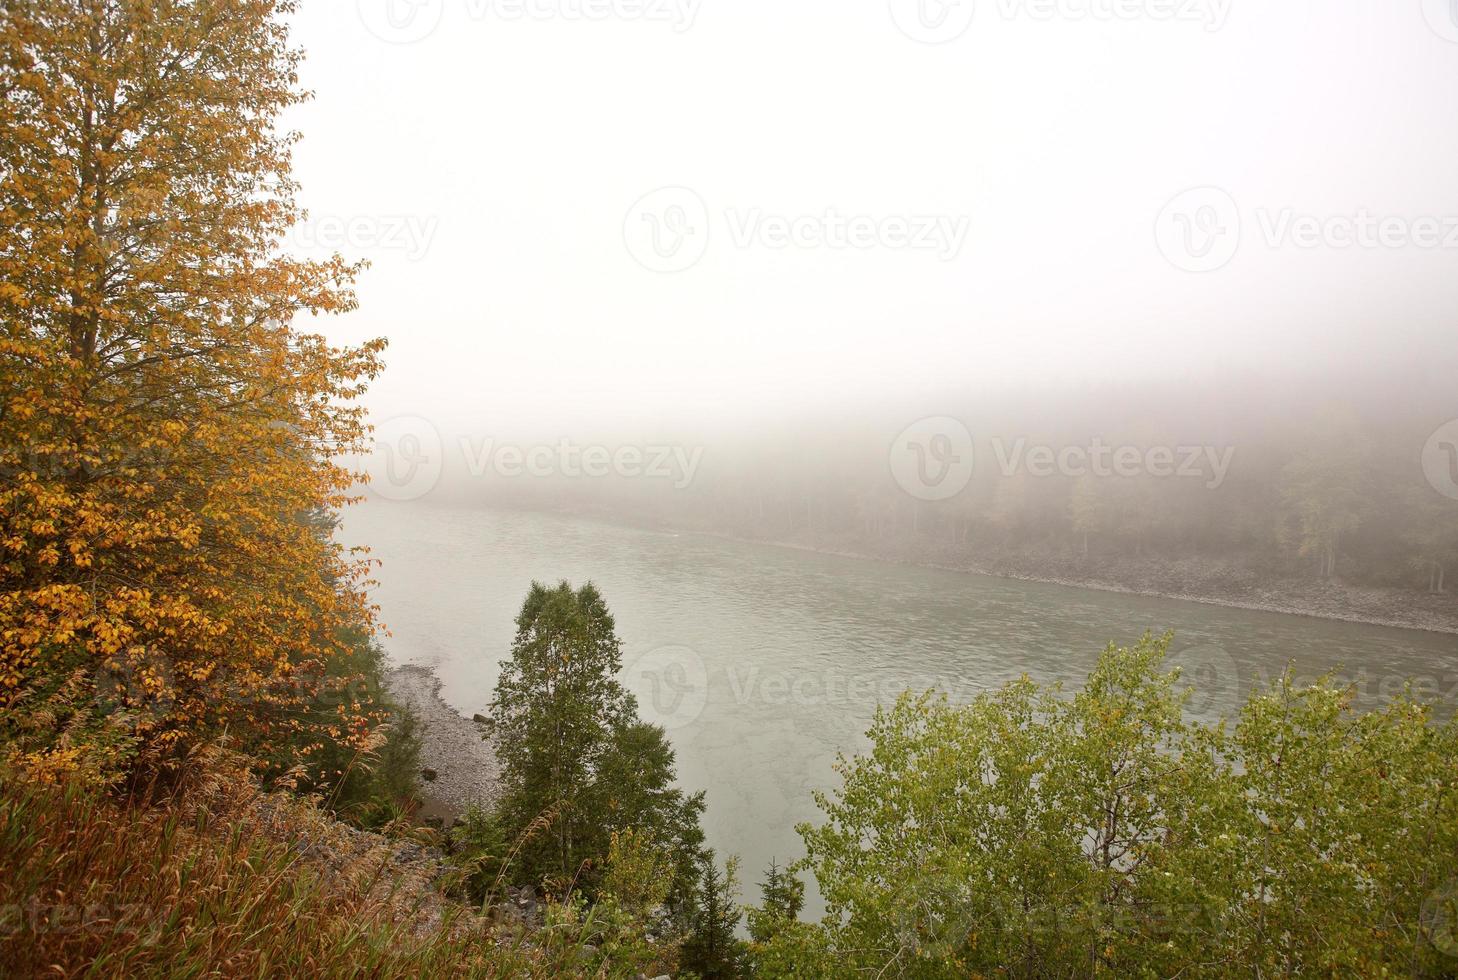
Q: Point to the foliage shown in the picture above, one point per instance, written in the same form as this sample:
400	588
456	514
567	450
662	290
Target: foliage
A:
371	783
556	706
1323	496
1304	493
638	775
571	744
1035	835
783	897
635	890
713	950
217	884
166	436
479	847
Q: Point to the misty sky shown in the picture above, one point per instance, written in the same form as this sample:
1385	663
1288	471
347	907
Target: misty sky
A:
1012	186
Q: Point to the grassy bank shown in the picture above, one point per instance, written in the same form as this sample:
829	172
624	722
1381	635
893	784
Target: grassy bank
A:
217	879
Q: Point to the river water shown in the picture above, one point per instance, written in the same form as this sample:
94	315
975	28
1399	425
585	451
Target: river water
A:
765	662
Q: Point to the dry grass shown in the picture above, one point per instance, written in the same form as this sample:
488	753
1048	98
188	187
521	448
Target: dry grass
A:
222	881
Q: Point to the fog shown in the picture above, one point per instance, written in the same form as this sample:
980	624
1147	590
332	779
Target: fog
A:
856	219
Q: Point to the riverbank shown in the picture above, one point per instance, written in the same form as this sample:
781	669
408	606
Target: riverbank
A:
1230	582
461	768
1206	581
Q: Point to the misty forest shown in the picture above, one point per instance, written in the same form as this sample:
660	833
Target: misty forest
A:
659	489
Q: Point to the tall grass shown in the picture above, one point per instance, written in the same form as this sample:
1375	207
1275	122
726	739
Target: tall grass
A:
231	883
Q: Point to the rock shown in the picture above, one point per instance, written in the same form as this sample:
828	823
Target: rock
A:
467	770
429	775
480	719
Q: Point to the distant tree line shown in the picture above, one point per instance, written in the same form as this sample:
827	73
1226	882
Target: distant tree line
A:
1320	485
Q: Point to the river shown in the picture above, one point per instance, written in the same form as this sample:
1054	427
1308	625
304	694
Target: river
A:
765	662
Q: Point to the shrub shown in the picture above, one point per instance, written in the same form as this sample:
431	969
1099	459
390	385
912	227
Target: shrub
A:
1036	835
223	881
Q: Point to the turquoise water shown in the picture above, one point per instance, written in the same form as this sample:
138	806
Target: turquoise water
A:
765	662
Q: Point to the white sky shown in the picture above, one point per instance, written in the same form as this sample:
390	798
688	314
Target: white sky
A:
517	146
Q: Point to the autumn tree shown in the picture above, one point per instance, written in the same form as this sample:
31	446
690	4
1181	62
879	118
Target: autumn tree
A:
167	437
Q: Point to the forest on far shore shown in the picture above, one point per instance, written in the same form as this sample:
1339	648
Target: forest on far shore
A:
1256	479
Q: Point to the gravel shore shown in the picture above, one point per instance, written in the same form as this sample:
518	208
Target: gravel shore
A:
466	768
1207	581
